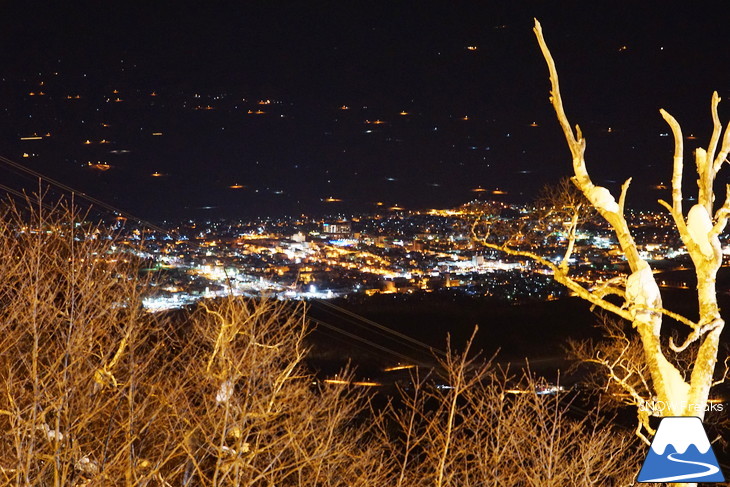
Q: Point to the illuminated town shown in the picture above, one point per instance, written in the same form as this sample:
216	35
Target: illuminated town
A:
390	253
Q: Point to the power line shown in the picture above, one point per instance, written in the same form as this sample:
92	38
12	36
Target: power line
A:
22	196
341	339
369	342
80	194
384	336
384	328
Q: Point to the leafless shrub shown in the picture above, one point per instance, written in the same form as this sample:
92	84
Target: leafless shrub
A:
68	316
482	427
257	416
95	391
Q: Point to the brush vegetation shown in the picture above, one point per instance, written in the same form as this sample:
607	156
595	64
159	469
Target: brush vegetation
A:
96	391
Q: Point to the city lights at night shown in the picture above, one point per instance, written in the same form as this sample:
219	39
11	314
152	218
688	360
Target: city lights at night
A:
362	243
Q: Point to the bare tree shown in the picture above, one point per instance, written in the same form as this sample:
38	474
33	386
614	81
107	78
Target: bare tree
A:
684	391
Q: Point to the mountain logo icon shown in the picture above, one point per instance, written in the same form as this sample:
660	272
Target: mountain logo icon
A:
680	452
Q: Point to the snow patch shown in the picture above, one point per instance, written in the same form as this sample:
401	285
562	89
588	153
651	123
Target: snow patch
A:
699	226
225	392
642	291
87	466
602	199
51	434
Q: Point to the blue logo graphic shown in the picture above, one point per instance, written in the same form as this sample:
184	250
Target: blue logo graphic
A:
680	452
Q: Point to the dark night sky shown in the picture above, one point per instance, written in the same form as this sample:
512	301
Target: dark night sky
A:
619	63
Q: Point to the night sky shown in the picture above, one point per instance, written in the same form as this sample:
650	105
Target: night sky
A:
442	98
